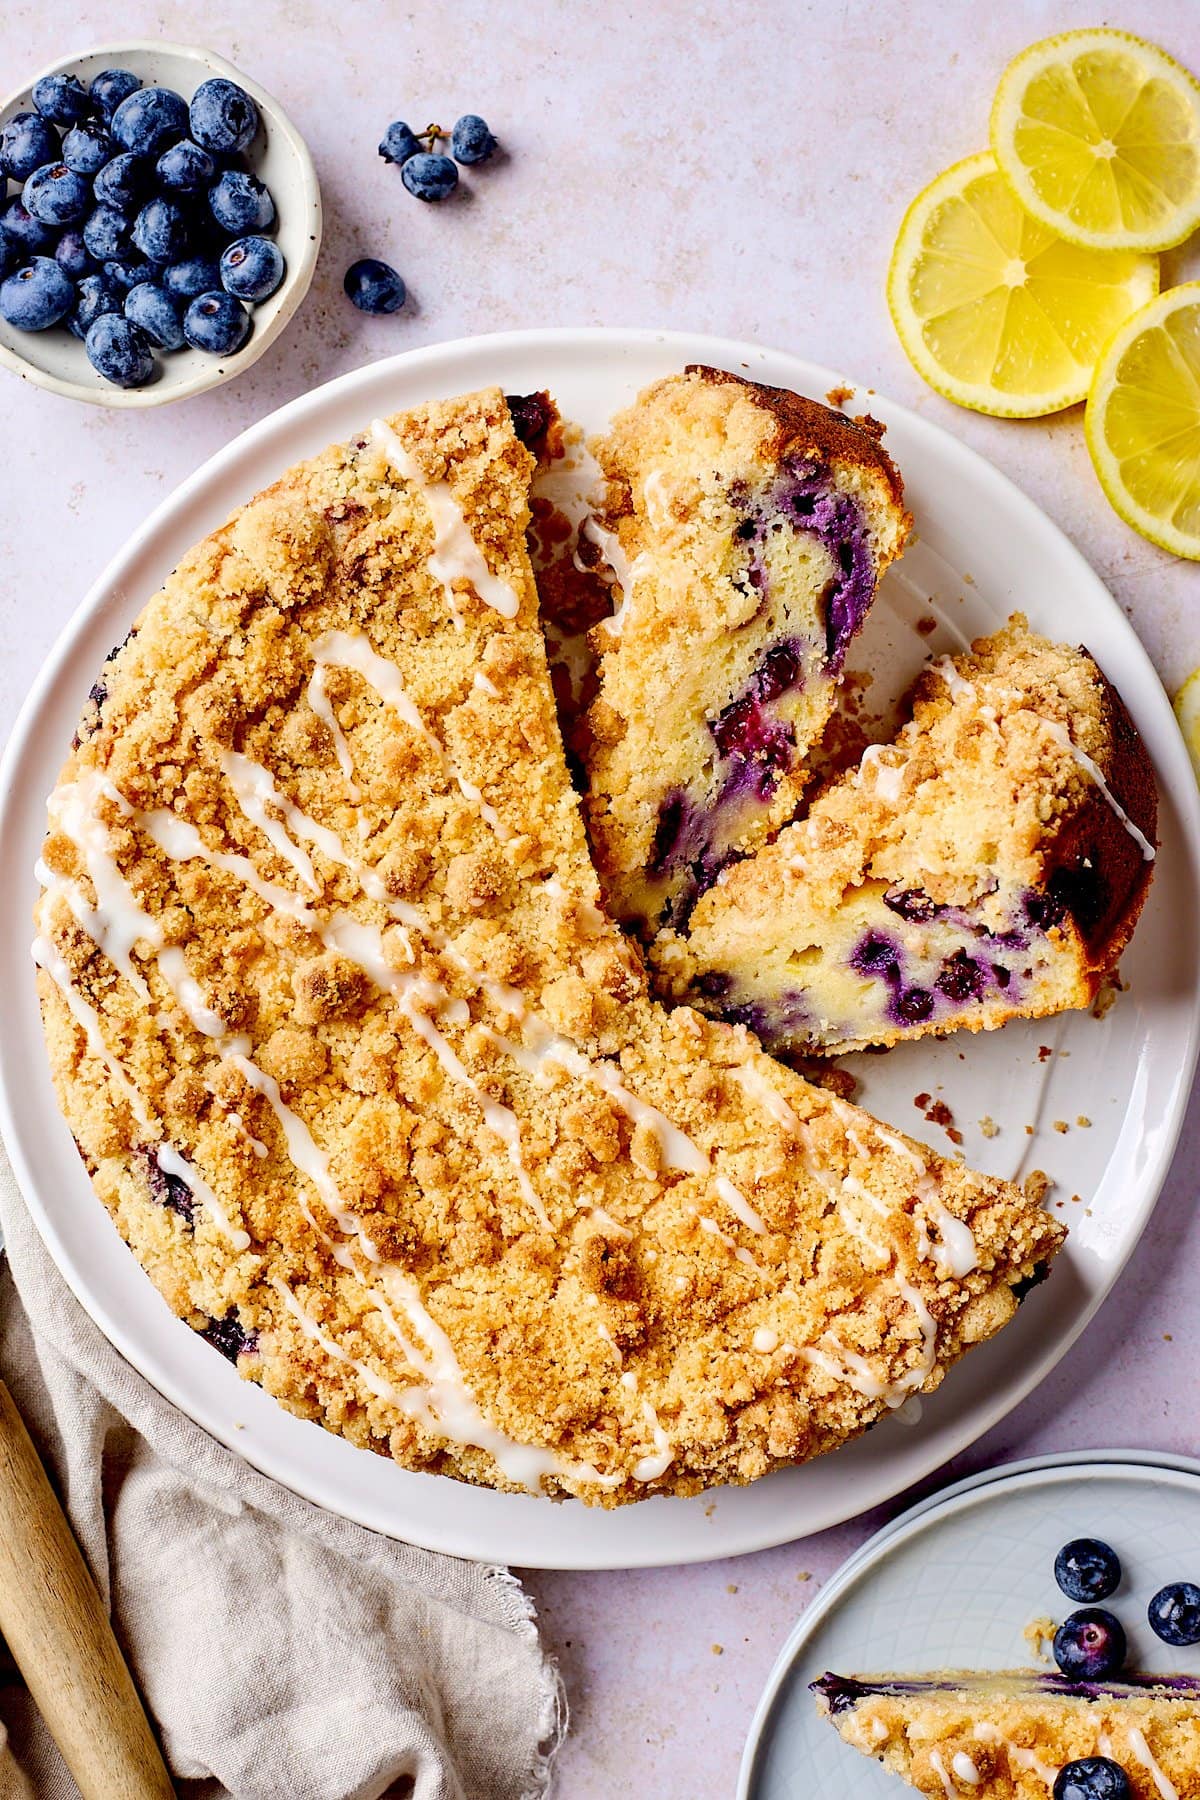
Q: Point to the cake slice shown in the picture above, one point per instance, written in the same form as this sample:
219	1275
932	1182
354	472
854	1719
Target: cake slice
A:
989	864
748	528
374	1089
1008	1736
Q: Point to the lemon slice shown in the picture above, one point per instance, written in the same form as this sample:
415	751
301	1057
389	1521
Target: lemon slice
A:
1143	421
993	308
1099	133
1187	711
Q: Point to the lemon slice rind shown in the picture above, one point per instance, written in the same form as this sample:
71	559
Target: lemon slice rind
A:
1176	221
1187	712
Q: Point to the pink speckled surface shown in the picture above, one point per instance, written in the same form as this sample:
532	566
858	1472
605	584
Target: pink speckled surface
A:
736	170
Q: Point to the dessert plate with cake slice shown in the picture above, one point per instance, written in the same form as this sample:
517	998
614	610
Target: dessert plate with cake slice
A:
915	1668
395	1004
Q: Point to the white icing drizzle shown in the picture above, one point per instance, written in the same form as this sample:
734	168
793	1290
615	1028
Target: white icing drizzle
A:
759	1088
888	781
1141	1749
846	1366
956	1253
258	797
985	1732
1062	736
47	956
171	1163
322	705
611	1225
765	1340
938	1765
965	1769
960	689
483	684
456	556
649	1468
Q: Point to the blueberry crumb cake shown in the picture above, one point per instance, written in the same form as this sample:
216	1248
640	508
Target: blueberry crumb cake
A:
1024	1736
989	863
373	1088
748	528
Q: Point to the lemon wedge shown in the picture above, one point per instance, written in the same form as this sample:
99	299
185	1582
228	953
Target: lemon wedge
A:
993	308
1187	711
1099	134
1143	421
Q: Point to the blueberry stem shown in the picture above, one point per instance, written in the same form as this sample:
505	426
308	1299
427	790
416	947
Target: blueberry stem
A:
433	133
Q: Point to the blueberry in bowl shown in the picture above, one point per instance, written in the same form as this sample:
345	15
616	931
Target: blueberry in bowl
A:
133	145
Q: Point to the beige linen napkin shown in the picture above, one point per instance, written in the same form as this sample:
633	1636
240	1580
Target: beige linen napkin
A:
283	1653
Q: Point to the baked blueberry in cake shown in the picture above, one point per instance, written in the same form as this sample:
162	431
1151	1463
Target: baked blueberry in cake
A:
748	528
374	1089
1016	1735
988	864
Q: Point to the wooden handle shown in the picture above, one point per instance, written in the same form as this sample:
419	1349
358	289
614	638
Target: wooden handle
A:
60	1637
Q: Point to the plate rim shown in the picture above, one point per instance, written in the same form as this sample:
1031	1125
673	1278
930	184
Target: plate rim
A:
1174	773
1024	1473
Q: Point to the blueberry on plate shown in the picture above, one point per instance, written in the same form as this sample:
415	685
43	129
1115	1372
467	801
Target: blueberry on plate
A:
37	296
399	142
223	116
95	295
1092	1778
471	141
110	87
87	147
1174	1613
152	309
185	168
10	251
123	182
217	323
126	272
374	286
240	203
194	275
429	176
72	254
1090	1645
62	99
149	119
26	142
57	195
252	268
119	351
28	233
161	232
1087	1569
106	233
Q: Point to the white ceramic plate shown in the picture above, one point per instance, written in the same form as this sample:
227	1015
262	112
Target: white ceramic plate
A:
278	155
954	1583
984	549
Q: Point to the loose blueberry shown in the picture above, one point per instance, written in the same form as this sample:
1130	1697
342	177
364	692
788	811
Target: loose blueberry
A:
95	296
429	176
126	272
1092	1778
120	351
26	142
87	147
149	119
123	182
29	234
37	296
185	168
374	286
194	275
217	323
223	116
1087	1569
106	233
1090	1645
160	231
252	268
72	255
153	310
471	141
110	87
400	142
240	203
1174	1612
57	195
62	99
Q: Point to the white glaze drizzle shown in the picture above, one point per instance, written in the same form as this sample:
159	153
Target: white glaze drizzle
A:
455	556
937	1764
985	1732
649	1468
888	782
765	1340
322	705
1141	1749
965	1769
1062	736
483	684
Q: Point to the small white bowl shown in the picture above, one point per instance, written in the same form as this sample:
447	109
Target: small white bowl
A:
56	360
